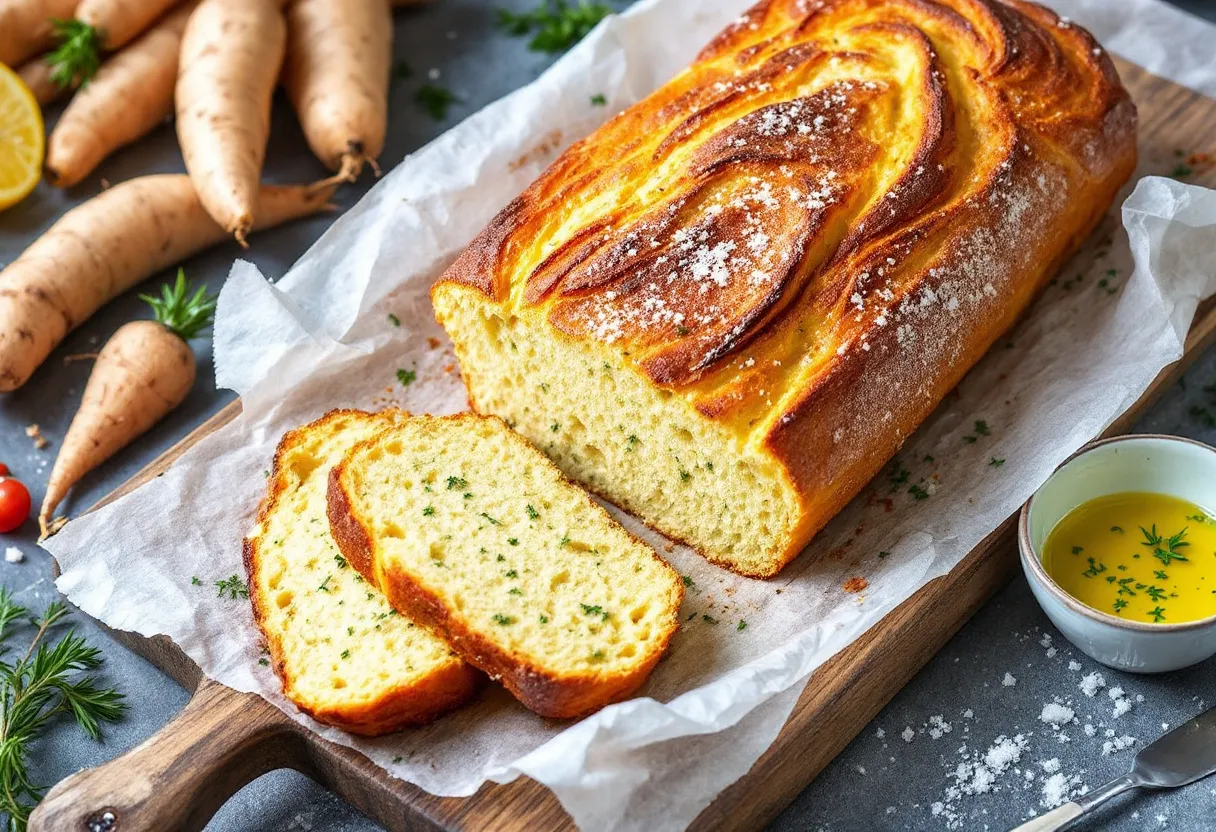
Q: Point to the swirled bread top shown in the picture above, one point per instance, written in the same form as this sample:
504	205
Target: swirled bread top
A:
786	197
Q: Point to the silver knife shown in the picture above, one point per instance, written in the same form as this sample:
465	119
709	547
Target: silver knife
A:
1184	755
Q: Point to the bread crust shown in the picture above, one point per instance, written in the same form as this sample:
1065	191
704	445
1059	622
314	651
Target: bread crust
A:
403	706
547	694
901	286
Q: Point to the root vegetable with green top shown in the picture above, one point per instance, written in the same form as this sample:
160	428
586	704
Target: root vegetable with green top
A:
143	371
99	26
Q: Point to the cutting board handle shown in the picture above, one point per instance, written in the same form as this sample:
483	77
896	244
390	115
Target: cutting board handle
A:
181	775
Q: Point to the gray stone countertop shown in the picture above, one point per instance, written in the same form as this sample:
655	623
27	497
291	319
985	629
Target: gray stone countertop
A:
956	708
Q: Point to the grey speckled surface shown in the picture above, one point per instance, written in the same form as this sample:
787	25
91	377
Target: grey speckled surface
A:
901	780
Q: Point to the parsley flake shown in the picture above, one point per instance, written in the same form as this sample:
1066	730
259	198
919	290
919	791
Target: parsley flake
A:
555	25
231	587
435	100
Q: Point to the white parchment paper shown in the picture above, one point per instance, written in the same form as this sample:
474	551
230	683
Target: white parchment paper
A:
319	338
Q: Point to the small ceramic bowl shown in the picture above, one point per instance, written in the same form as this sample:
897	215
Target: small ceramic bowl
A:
1159	464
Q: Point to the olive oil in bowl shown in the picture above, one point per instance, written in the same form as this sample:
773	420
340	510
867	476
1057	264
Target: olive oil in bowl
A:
1137	555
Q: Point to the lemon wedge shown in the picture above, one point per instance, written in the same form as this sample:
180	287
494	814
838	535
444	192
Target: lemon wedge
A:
21	139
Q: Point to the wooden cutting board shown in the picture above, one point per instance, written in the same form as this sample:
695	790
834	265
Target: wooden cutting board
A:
223	739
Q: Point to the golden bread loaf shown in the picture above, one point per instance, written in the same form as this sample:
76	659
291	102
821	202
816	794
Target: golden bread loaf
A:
344	655
471	531
727	308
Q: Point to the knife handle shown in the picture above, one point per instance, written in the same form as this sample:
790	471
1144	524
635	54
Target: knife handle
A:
1057	818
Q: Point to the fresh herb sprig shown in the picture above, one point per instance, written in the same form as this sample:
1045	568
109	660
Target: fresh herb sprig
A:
77	57
180	311
435	100
231	587
45	682
1164	549
555	25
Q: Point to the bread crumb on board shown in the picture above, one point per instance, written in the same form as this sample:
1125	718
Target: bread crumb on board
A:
855	585
34	433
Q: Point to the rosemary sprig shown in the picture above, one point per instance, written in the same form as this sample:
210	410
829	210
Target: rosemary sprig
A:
1165	549
45	682
185	314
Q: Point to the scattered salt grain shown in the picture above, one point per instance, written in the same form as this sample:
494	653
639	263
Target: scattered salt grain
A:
880	733
1117	744
938	727
1009	681
967	714
1091	684
1090	730
1122	706
14	555
1057	788
1074	665
1056	714
1005	752
1050	766
1115	693
908	734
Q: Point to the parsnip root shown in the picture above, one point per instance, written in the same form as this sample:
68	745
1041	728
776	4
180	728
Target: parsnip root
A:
230	58
104	247
143	372
36	73
336	74
26	29
130	95
118	22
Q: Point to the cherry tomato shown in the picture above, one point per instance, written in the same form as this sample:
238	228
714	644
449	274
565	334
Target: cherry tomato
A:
14	504
3	470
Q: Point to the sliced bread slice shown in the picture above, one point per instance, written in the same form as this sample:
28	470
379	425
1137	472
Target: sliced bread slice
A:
344	655
470	530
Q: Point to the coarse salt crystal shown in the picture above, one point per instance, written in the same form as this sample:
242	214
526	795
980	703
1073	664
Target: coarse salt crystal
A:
1115	693
1118	744
1005	752
14	555
1122	706
1056	714
1092	683
1074	665
1009	681
908	734
1057	788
